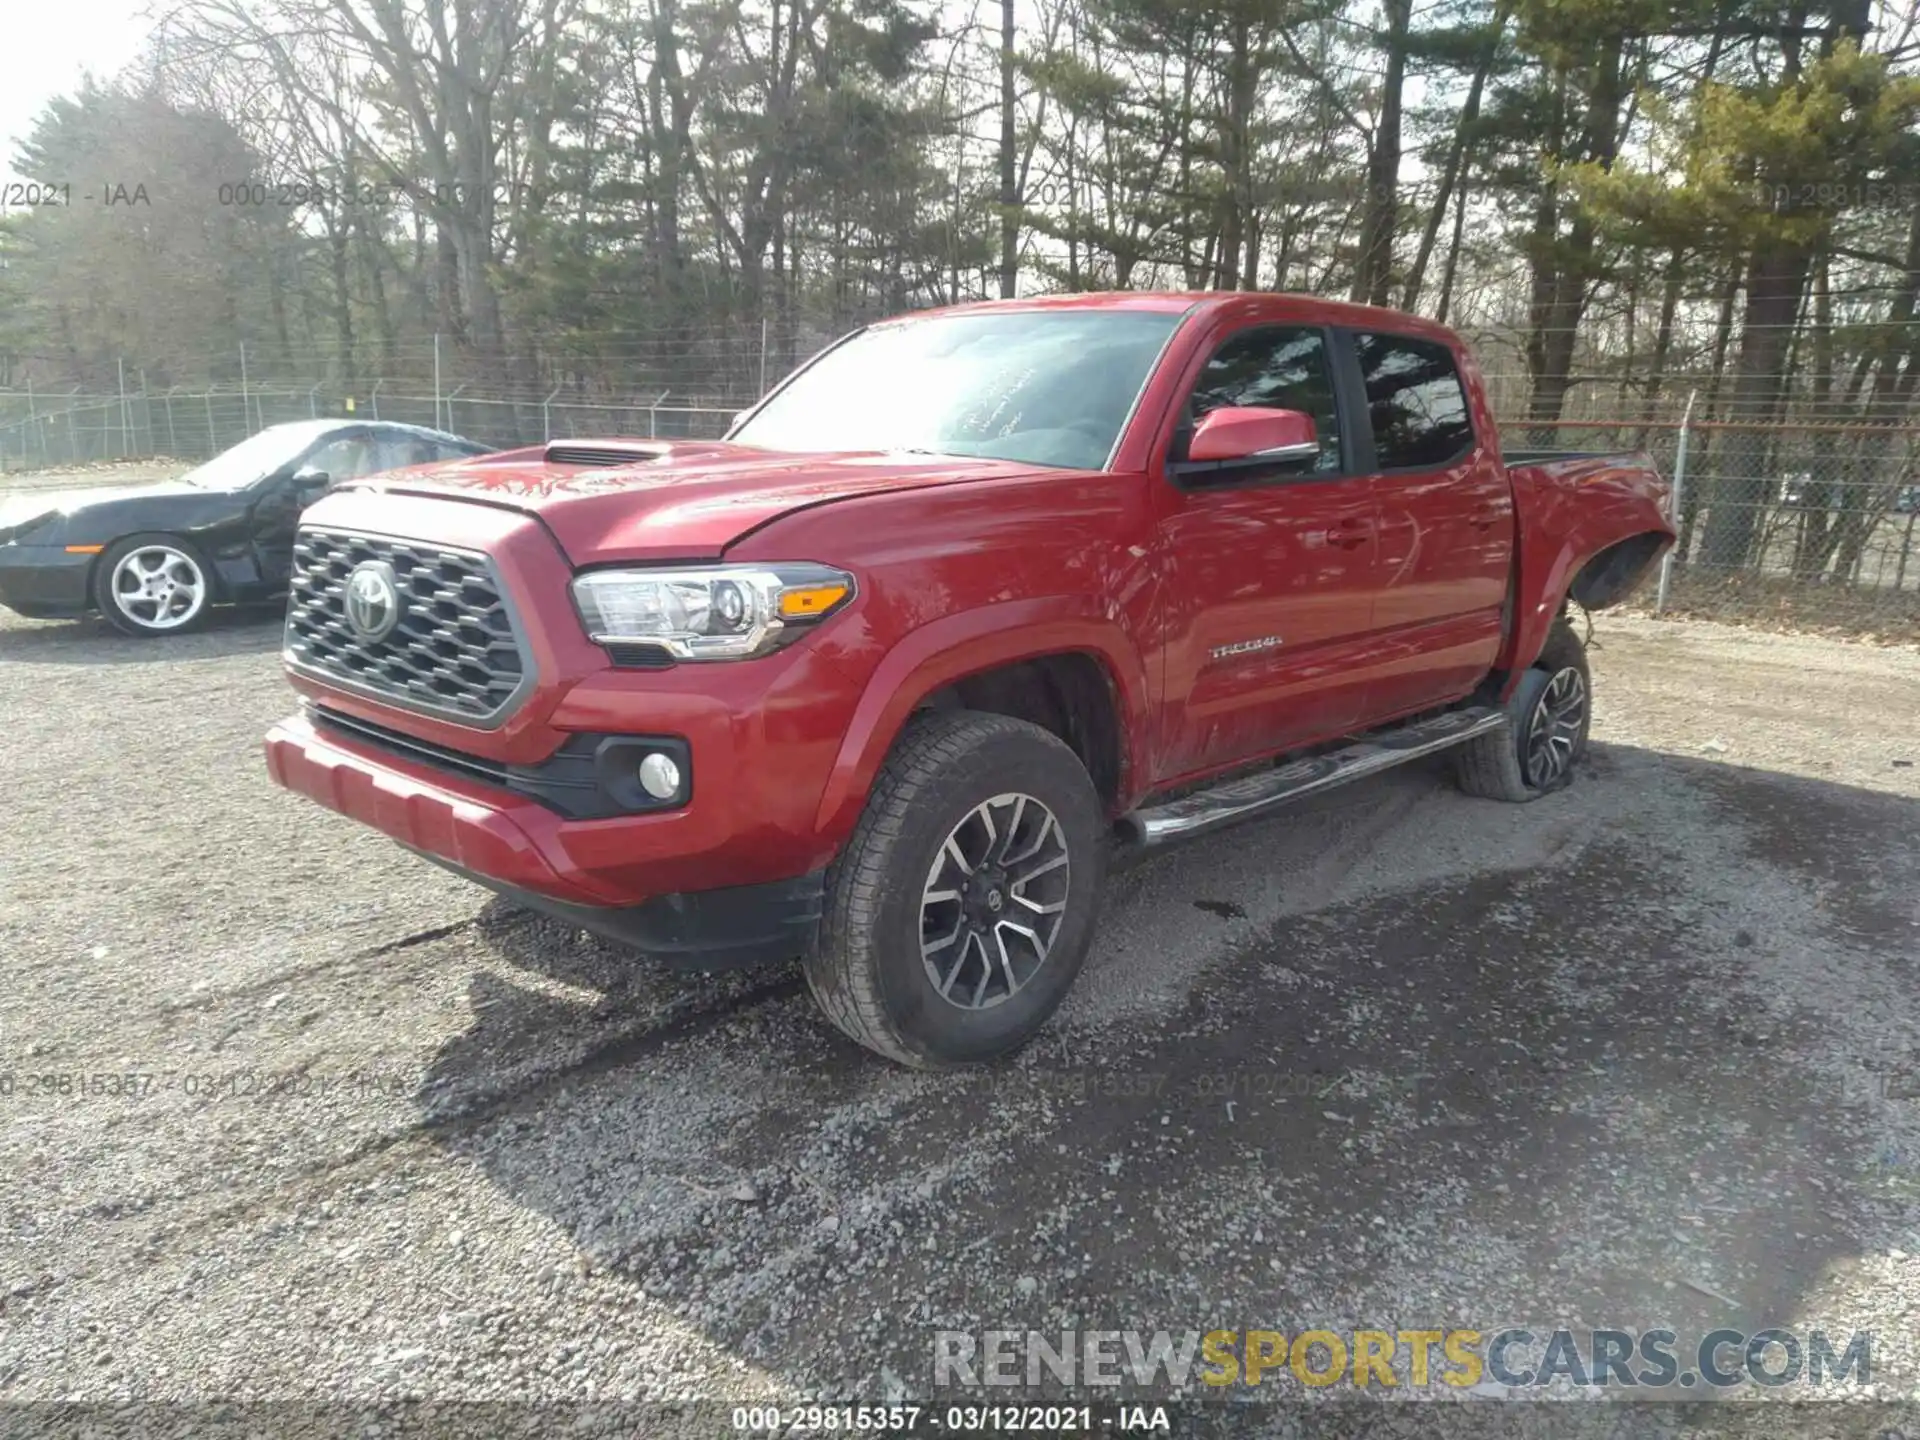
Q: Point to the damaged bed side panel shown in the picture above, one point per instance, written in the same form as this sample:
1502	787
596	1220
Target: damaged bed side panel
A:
1591	527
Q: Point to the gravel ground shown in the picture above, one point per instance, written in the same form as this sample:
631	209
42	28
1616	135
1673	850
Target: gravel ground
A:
1644	1053
91	474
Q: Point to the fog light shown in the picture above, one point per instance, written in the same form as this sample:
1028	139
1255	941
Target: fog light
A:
659	776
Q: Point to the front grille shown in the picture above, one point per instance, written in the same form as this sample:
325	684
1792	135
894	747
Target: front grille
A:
454	652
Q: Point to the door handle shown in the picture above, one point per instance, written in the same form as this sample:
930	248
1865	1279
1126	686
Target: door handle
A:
1487	516
1354	530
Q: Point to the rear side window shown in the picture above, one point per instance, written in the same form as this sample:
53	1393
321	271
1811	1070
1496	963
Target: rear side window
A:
1415	401
1277	368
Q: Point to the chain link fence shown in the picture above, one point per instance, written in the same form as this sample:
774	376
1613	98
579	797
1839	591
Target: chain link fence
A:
72	430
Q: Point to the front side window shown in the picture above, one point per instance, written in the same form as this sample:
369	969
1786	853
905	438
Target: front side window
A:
1274	368
1041	387
347	458
258	456
1415	402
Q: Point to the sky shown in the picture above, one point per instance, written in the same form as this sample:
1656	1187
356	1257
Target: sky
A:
48	46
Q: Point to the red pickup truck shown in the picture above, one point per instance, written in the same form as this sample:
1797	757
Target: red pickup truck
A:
972	603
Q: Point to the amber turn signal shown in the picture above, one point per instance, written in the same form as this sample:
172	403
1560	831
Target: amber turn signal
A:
809	600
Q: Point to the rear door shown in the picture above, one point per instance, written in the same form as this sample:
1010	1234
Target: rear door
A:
1269	571
1446	523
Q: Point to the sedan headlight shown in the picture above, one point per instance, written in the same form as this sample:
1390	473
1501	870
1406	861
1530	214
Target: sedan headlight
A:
724	612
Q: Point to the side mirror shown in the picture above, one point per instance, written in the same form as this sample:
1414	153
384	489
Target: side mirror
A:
1248	433
311	480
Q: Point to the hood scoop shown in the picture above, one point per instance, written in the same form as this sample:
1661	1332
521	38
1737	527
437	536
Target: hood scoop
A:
605	454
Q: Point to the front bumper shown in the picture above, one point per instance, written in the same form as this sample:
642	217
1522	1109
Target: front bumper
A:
526	850
44	582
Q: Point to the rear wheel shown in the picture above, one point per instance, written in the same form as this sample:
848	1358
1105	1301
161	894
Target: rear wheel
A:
152	585
1546	733
961	910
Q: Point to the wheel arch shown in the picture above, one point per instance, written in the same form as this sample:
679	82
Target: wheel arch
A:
1070	694
1075	674
1593	579
1614	573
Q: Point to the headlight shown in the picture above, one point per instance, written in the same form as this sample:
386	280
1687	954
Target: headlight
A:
725	612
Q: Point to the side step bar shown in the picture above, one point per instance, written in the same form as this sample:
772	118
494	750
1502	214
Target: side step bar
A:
1255	794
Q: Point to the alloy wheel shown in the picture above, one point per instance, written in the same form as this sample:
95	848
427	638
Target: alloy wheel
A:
994	901
158	587
1555	726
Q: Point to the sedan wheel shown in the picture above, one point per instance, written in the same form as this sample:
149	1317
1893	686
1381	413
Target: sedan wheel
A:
153	585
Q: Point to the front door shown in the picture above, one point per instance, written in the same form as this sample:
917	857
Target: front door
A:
1268	572
346	455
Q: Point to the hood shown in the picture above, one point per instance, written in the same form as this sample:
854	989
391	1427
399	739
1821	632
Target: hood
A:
26	506
633	500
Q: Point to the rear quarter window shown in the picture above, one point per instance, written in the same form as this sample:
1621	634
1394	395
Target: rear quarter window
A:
1416	402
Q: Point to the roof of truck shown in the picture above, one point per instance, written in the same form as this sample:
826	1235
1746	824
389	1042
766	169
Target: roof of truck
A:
1315	308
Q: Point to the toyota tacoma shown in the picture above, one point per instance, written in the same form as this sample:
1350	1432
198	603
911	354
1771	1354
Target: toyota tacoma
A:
972	603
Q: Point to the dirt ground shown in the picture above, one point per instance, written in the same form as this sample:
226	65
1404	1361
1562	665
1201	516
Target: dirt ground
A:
91	473
1646	1052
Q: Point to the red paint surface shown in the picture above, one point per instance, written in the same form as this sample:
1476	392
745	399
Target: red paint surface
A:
1389	594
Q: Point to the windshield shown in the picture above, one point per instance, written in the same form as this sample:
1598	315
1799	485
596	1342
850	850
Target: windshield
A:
252	459
1043	387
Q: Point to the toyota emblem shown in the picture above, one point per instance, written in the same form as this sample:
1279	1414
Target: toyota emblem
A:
373	600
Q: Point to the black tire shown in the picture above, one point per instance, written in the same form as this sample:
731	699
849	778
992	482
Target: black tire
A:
129	621
1509	764
868	971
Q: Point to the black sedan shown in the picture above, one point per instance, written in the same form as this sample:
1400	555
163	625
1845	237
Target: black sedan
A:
154	558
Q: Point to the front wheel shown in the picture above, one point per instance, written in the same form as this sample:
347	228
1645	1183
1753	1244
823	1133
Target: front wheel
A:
960	911
152	585
1548	717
